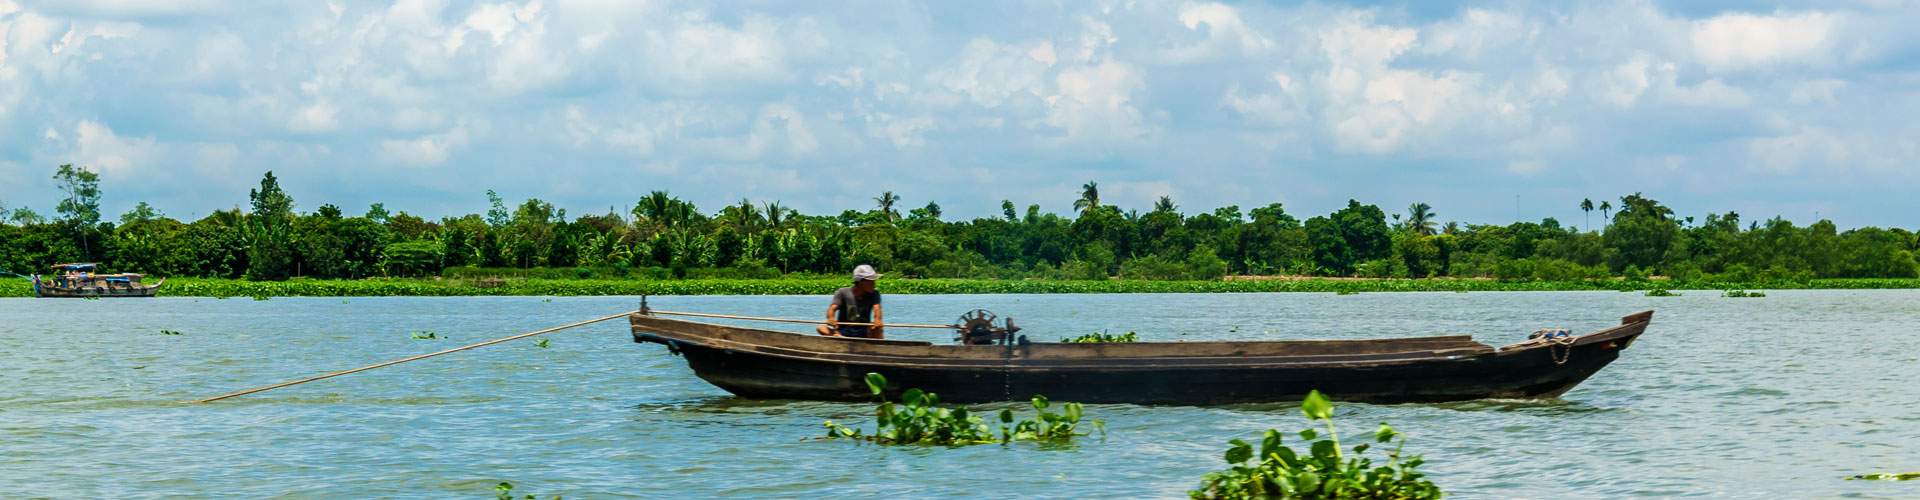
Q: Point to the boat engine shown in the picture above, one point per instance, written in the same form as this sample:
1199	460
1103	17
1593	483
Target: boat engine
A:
977	327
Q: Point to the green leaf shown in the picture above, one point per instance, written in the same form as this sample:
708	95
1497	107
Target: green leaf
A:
1270	443
1006	416
1324	450
913	397
1239	452
1039	402
1308	434
1316	406
876	383
1385	433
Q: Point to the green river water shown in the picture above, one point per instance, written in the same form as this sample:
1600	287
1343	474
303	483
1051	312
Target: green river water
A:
1776	397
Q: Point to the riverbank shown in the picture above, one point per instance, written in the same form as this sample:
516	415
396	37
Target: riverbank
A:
382	287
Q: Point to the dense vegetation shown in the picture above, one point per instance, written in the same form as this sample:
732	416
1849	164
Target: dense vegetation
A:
919	419
662	236
1323	471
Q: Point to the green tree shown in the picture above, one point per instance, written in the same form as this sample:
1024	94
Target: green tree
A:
1586	205
1642	234
1089	197
141	212
378	213
1420	219
270	254
884	203
80	210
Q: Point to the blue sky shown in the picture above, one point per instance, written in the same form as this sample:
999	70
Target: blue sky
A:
1488	111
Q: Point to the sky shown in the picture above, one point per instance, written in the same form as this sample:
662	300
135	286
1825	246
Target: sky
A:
1489	111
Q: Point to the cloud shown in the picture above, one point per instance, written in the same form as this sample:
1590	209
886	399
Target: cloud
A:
1218	102
97	146
424	151
1740	40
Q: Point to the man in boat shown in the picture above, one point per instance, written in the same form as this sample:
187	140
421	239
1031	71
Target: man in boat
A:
859	303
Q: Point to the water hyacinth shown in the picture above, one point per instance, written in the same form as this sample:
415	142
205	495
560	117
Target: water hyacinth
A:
919	419
1102	338
1325	470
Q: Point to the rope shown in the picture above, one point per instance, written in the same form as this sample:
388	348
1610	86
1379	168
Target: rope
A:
788	320
1559	343
411	358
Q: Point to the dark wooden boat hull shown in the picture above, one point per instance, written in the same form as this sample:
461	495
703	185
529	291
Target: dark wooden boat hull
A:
766	364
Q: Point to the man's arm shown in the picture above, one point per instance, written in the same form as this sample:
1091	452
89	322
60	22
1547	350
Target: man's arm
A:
832	328
879	329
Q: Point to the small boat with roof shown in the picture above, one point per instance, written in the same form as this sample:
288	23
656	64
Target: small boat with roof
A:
81	279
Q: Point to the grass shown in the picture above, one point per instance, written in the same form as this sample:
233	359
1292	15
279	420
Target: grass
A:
379	287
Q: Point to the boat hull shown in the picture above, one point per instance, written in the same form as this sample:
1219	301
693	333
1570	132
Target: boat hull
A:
776	365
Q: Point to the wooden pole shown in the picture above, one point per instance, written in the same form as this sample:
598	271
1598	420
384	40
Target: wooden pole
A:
787	320
411	358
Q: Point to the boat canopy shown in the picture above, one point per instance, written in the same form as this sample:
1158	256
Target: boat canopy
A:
77	266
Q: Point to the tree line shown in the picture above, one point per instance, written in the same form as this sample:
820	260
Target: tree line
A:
663	236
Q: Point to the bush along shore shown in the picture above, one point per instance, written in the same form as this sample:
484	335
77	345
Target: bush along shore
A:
393	287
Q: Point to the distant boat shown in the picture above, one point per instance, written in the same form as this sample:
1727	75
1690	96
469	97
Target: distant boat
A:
80	280
768	364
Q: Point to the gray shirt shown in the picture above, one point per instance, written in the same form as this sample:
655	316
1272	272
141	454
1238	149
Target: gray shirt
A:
853	306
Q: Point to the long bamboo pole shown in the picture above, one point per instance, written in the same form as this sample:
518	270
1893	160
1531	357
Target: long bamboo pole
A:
411	358
789	320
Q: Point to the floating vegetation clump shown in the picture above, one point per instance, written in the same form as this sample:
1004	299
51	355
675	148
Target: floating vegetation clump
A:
425	335
1886	476
1323	471
919	420
1101	338
542	343
1661	292
170	332
504	491
1742	294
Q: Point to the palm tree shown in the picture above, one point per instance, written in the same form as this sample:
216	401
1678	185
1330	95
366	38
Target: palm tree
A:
933	210
886	202
776	214
1586	205
1420	219
655	208
1606	209
746	215
1164	204
1089	197
1452	227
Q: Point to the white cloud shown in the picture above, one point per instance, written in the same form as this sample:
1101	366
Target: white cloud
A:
1094	103
424	151
316	117
989	73
1227	34
98	146
1740	40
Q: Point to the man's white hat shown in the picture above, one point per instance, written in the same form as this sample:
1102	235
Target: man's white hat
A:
864	272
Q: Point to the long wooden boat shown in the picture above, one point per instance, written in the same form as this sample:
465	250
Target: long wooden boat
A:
766	364
79	280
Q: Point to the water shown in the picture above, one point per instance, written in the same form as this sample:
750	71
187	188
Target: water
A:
1775	397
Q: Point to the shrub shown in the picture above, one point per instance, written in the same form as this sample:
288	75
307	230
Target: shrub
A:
1204	264
414	258
1325	471
1152	267
919	419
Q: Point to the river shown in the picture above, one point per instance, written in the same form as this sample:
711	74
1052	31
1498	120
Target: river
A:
1782	396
